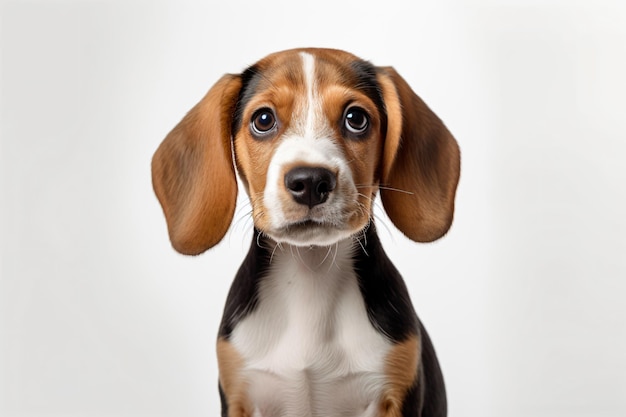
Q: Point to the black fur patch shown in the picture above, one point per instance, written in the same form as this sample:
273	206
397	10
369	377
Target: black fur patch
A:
386	297
366	82
244	292
249	83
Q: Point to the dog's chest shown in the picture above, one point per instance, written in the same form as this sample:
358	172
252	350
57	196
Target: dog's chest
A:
309	347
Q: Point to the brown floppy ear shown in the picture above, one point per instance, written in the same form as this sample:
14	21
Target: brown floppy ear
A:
193	173
421	163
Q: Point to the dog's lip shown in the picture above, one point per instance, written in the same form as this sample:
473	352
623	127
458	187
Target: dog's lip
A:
309	232
308	226
307	223
312	222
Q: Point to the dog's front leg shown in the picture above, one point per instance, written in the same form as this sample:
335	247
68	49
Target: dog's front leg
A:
401	369
233	386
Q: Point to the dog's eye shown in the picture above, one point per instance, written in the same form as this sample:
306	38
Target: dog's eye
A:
263	121
356	120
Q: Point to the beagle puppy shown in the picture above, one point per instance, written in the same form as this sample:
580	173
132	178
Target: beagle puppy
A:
318	322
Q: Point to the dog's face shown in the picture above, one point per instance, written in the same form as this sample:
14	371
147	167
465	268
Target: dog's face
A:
314	133
308	139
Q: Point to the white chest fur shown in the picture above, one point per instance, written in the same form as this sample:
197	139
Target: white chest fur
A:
309	347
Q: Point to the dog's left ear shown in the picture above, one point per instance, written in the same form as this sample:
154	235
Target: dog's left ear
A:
193	173
421	163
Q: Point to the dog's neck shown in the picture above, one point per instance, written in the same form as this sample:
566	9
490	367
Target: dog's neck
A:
361	256
314	260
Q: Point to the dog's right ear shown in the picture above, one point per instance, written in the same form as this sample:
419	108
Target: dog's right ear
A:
193	173
421	163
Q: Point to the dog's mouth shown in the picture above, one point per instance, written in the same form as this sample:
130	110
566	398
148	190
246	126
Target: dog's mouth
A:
310	232
307	224
310	226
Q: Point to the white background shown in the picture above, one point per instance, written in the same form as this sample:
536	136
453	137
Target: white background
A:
524	298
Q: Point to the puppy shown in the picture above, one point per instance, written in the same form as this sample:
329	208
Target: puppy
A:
318	322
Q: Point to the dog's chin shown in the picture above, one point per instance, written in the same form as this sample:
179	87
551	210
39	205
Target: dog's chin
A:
310	233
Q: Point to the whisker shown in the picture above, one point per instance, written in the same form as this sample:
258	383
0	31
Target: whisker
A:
242	218
333	263
382	221
364	232
362	247
301	259
325	257
245	204
366	197
383	187
274	251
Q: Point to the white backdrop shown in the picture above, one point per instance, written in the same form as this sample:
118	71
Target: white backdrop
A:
524	298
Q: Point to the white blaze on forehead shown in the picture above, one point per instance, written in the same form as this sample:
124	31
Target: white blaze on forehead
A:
309	120
308	65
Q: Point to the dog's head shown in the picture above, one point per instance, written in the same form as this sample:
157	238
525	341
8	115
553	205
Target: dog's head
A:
314	134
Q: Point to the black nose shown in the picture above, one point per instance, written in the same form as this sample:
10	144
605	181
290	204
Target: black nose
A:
310	186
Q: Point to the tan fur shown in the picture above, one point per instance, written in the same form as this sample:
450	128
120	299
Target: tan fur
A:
193	175
401	368
421	164
233	384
